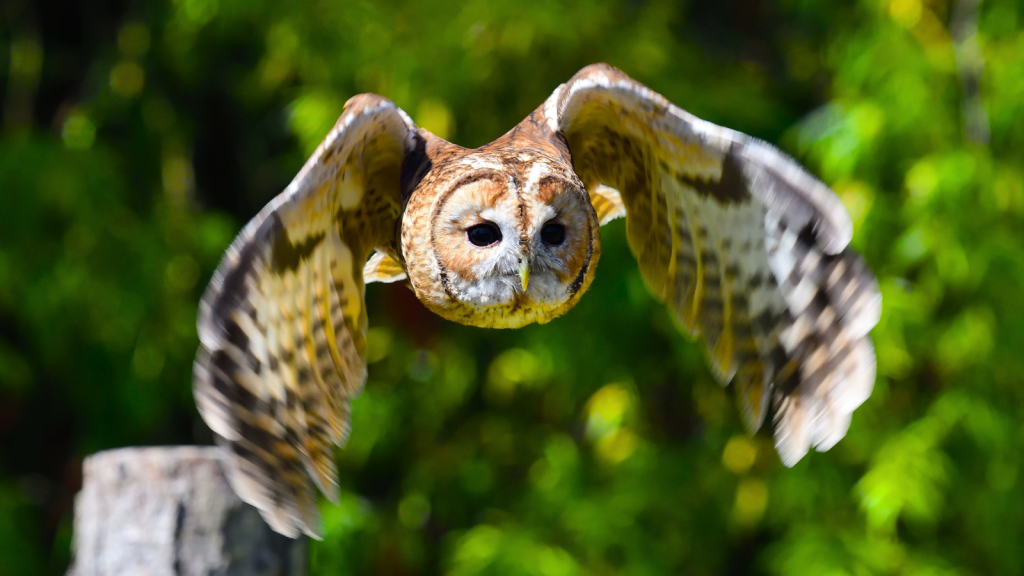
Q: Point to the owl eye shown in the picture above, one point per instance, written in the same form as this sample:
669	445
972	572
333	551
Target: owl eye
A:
553	234
484	234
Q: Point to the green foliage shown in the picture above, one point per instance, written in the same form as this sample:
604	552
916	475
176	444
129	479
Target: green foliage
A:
598	443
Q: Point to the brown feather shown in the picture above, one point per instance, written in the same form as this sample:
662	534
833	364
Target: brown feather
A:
748	250
282	324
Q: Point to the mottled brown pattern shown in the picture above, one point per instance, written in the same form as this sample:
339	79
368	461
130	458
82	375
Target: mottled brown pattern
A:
282	323
439	260
746	248
748	251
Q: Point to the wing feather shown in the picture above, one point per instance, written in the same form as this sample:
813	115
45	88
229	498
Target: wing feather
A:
282	323
383	268
748	250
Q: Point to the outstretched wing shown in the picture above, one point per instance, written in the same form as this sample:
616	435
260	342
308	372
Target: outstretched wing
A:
746	248
282	324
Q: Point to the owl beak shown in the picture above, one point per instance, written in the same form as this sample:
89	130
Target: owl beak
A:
524	273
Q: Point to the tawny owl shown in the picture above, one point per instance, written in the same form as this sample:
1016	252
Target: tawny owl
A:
747	250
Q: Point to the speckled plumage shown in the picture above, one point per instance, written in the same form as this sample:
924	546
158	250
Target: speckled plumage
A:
747	250
520	181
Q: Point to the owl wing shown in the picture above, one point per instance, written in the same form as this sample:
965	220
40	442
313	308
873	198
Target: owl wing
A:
282	323
746	248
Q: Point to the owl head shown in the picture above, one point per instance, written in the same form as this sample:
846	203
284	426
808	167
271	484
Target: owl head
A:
509	243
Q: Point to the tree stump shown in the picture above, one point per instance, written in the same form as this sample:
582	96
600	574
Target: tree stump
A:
170	511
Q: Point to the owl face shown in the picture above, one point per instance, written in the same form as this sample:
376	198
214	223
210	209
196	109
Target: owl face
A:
509	247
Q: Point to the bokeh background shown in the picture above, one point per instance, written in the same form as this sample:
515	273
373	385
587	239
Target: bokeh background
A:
138	137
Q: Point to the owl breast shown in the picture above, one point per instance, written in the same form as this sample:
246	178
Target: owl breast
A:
500	240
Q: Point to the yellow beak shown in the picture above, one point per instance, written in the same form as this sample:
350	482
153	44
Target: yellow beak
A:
524	273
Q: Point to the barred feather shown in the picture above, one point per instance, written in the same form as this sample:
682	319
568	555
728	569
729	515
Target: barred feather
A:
282	323
747	249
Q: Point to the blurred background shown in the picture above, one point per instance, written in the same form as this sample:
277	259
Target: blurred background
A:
138	137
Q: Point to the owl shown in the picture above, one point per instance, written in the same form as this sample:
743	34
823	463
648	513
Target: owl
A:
748	251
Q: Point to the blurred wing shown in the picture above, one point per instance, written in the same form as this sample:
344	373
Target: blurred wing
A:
282	324
747	249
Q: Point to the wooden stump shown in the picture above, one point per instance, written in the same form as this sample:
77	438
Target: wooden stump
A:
170	511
